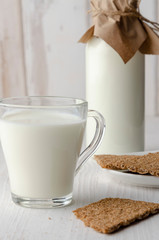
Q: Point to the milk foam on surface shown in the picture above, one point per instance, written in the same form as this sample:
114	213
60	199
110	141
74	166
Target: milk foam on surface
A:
41	148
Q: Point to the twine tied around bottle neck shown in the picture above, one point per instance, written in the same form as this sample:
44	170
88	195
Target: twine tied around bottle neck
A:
130	12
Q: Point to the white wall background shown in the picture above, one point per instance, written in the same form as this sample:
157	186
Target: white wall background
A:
39	53
53	58
150	10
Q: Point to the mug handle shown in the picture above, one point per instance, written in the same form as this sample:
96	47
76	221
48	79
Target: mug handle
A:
99	133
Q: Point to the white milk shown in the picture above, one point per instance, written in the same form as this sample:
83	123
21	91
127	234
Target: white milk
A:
41	150
116	90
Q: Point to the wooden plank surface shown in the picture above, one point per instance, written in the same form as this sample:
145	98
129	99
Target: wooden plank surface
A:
157	65
12	71
54	60
149	10
91	184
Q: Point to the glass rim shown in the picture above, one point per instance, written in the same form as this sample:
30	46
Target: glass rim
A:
9	102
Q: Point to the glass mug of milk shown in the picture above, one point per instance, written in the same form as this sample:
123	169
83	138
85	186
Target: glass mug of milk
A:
41	139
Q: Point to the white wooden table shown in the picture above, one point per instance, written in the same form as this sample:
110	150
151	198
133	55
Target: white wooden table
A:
91	184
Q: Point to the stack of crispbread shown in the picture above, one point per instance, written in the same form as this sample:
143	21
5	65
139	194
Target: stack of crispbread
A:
142	164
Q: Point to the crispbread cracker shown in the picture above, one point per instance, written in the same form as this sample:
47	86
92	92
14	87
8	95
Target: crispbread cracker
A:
109	214
143	164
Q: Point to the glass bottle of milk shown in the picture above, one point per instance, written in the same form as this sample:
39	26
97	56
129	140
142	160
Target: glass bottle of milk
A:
116	89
